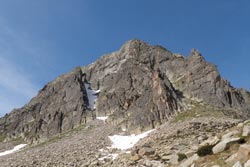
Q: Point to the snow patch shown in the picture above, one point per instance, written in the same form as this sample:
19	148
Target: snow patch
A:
102	118
16	148
92	95
127	142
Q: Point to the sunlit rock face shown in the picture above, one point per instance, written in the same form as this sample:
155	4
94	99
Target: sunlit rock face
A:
143	86
138	87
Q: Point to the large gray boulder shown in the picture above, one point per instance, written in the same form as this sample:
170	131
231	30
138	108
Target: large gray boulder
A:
224	144
246	130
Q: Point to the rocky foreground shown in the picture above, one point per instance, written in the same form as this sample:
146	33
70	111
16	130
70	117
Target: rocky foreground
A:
75	148
186	140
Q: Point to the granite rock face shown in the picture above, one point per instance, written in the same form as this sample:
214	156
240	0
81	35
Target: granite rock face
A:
61	105
135	91
201	80
141	86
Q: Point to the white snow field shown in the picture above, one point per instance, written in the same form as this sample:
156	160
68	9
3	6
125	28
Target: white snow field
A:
16	148
127	142
92	95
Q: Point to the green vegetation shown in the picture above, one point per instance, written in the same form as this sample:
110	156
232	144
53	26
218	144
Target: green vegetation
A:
205	150
181	157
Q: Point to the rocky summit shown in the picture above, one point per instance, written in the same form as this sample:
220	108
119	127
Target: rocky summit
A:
198	118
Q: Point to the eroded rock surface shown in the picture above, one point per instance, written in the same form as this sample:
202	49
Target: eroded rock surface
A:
141	87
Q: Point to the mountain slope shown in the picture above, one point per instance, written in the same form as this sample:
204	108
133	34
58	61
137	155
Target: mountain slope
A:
141	87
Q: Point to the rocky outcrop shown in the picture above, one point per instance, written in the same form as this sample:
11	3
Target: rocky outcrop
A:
60	106
141	87
200	80
145	85
134	91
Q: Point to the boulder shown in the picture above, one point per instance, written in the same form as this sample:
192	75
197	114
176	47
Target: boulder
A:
246	122
233	159
230	134
246	131
237	164
153	163
242	155
224	144
210	141
146	151
189	161
244	151
135	157
174	159
247	164
240	125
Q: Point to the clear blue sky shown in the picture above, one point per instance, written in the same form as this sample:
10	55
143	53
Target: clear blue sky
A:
41	39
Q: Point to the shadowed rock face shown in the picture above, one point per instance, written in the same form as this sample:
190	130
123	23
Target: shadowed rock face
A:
61	105
141	86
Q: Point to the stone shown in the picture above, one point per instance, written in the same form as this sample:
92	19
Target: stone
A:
189	161
135	157
240	125
246	122
94	164
230	134
244	151
237	164
247	164
233	159
224	144
153	163
174	159
210	141
166	157
146	151
190	153
246	131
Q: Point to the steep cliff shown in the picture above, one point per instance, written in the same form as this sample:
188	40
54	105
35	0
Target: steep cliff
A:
141	86
144	85
61	105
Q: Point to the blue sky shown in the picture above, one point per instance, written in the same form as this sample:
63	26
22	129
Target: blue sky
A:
41	39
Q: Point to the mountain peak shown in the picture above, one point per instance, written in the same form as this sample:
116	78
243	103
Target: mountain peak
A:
141	86
195	54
